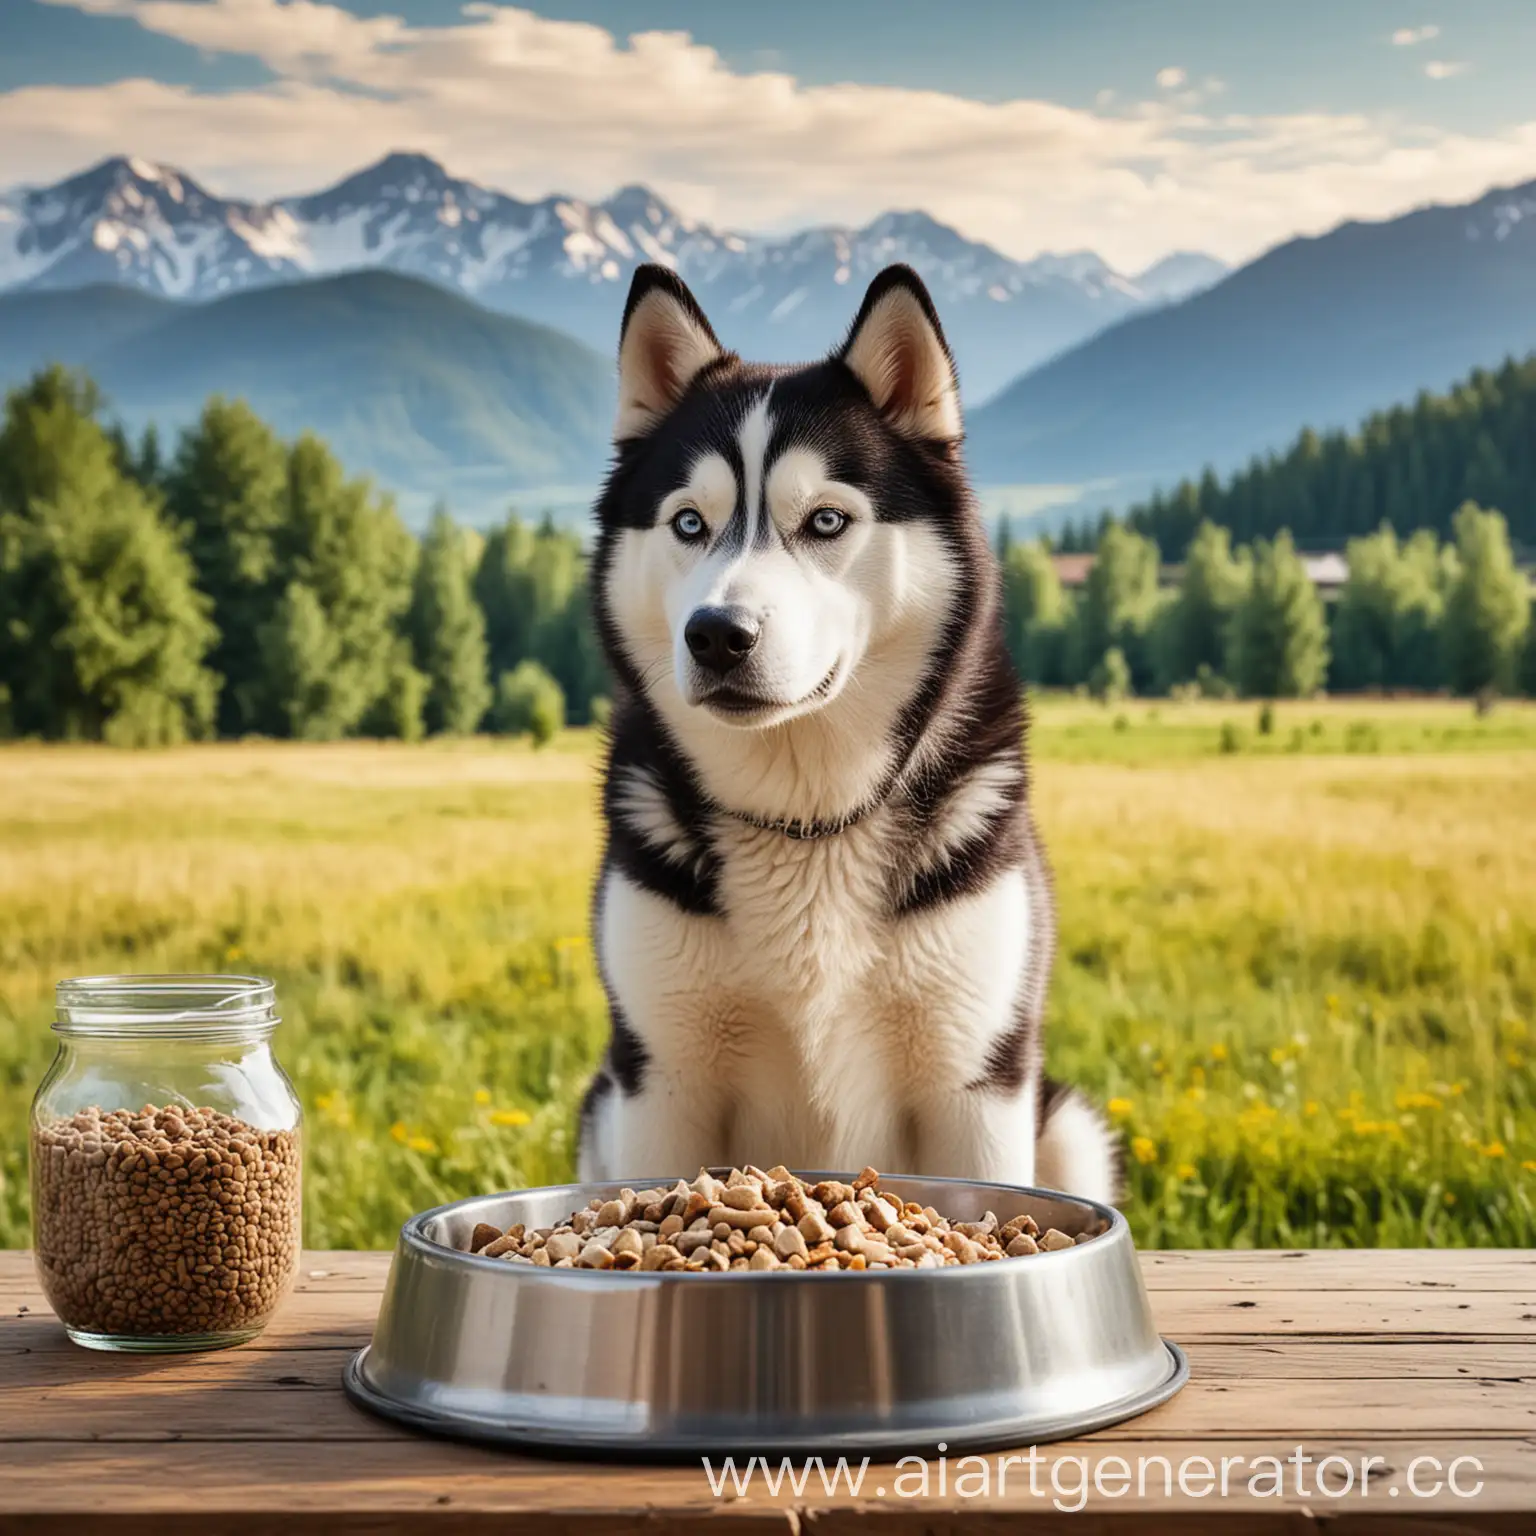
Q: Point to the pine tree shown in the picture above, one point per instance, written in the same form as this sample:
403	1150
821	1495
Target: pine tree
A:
105	634
1528	661
531	586
529	703
347	564
1279	632
447	632
1036	614
1196	626
1386	625
1487	609
1117	604
228	485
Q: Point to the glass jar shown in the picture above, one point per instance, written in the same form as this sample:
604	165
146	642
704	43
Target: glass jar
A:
165	1144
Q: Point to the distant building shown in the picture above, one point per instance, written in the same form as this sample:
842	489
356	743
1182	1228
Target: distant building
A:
1327	572
1072	570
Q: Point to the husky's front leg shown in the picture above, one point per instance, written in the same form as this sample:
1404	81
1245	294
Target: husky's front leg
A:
979	1131
658	1106
667	1124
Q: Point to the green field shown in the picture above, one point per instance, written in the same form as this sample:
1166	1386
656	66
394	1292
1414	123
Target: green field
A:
1300	967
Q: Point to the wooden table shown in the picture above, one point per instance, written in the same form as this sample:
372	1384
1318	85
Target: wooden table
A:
1391	1355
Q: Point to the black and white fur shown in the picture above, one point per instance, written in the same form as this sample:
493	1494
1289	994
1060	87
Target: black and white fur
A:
824	919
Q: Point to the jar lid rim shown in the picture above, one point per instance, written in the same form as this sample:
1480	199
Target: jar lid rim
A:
149	1004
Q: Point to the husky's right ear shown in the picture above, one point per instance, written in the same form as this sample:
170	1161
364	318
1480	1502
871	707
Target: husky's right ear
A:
663	343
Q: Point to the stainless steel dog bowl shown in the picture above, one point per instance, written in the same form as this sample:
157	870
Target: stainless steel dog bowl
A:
1004	1353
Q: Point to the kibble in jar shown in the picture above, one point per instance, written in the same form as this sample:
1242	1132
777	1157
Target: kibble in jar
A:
164	1223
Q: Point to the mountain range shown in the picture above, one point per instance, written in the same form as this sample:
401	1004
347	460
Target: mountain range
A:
565	262
1316	332
456	343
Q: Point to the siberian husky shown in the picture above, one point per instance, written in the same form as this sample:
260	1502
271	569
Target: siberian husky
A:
824	919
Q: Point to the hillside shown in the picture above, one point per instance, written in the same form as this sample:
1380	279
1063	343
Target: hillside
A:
1411	466
417	386
1319	331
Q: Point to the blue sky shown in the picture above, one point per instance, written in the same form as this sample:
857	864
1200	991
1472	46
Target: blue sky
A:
1131	126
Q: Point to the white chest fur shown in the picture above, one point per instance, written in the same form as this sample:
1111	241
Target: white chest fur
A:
807	1021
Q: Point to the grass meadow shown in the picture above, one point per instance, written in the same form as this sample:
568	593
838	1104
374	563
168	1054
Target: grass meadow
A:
1298	966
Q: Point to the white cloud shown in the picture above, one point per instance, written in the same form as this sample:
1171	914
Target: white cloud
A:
1444	69
1172	78
1411	37
531	105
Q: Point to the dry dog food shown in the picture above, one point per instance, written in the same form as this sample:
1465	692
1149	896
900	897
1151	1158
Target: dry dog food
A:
757	1220
164	1221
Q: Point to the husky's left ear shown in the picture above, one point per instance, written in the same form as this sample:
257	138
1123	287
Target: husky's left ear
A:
896	350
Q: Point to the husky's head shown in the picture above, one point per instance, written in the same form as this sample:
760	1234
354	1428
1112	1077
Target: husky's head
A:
784	552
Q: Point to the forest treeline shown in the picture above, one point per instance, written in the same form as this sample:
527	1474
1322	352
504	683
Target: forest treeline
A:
242	585
1414	614
1411	466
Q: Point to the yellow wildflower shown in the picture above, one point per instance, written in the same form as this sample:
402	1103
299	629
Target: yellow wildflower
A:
482	1096
1331	1002
1529	1166
1144	1149
1377	1128
510	1117
1186	1171
1448	1198
1514	1058
1310	1107
1492	1149
1218	1052
1119	1108
421	1144
234	952
1417	1101
398	1130
334	1107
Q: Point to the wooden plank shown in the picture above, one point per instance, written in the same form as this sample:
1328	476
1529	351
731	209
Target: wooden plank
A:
175	1488
1342	1269
137	1403
43	1357
329	1304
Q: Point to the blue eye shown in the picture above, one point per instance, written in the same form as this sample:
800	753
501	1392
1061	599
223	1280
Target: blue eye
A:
826	522
689	526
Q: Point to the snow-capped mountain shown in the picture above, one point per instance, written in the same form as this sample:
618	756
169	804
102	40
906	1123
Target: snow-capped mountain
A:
565	261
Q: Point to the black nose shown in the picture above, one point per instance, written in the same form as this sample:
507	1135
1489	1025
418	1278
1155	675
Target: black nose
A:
720	638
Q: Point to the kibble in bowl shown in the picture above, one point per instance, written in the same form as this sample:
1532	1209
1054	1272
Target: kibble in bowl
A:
684	1319
754	1219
